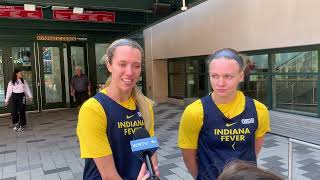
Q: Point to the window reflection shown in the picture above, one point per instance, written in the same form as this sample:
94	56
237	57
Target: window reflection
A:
296	93
77	58
259	63
258	88
52	74
295	62
102	72
188	77
177	85
21	57
2	90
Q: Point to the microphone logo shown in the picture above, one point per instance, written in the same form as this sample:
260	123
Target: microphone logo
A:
140	145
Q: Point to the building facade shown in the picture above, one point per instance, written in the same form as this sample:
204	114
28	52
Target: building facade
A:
47	40
280	38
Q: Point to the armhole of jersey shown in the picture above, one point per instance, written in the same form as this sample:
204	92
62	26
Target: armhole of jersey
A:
102	99
255	109
204	119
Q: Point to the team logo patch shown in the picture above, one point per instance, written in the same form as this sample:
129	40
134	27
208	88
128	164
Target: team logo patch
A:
139	114
247	121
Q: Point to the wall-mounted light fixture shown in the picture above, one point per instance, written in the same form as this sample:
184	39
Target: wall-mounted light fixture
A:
59	7
184	7
29	7
77	10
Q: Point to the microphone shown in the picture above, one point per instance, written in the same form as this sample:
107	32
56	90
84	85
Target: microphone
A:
145	146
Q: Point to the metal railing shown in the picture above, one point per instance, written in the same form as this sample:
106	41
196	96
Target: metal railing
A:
290	150
290	153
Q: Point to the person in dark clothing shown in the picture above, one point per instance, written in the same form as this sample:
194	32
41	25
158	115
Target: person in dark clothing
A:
80	87
16	90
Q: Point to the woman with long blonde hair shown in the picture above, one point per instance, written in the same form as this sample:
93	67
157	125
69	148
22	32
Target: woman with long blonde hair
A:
108	121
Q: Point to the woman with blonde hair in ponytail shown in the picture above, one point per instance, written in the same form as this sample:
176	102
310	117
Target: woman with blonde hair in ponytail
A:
107	121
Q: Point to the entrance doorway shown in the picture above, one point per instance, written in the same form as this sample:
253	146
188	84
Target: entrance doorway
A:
47	67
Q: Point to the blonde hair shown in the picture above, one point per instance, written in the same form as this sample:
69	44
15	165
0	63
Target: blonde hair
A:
142	101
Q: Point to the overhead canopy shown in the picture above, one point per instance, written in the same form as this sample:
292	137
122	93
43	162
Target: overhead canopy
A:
130	16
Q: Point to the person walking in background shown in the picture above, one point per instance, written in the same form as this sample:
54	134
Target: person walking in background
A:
80	87
16	91
224	125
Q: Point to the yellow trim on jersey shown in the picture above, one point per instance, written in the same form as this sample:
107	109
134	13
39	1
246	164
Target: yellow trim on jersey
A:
92	127
192	119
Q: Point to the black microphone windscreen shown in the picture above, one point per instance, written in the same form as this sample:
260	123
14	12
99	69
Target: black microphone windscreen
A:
140	134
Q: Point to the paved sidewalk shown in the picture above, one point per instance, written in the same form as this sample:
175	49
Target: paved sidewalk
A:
48	148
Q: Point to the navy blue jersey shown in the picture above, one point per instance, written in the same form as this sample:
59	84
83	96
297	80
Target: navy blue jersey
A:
222	140
121	125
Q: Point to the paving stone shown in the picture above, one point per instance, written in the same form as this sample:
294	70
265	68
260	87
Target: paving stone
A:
308	161
4	164
52	177
9	169
165	169
272	158
36	173
173	156
182	173
52	171
10	178
24	176
173	177
50	144
66	175
78	176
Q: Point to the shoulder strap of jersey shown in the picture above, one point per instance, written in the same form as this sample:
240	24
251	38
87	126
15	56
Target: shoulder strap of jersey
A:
103	100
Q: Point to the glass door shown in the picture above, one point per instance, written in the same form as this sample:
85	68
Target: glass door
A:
51	68
21	59
2	85
77	56
17	55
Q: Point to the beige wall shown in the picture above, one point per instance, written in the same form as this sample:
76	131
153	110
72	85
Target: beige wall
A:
160	80
149	63
239	24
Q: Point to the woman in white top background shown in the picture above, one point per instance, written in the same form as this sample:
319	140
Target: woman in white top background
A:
16	90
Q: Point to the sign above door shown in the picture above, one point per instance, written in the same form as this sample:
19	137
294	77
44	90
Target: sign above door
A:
60	38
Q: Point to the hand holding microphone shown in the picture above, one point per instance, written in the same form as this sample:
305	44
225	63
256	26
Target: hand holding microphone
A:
145	146
144	174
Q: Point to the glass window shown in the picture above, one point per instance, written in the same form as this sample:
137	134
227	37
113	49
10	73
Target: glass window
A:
192	85
257	88
2	90
297	93
257	63
177	85
21	57
177	66
192	66
102	72
188	76
202	65
306	61
77	58
52	74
